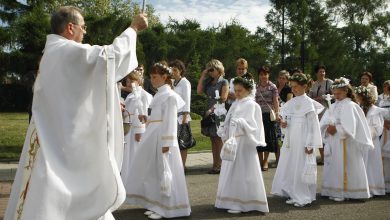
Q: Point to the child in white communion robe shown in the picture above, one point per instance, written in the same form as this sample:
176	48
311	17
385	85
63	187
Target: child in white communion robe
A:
302	135
347	136
241	186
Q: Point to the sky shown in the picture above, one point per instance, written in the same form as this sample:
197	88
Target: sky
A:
209	13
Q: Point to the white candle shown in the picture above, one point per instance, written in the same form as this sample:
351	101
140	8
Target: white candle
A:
217	94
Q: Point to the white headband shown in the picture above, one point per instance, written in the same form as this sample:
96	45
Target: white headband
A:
169	69
343	83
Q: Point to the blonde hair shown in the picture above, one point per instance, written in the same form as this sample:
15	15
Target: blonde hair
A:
217	65
243	62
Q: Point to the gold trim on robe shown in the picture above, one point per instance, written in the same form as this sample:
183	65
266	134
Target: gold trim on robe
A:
32	153
230	199
134	196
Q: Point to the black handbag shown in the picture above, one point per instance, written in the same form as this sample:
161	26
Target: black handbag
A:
208	121
185	138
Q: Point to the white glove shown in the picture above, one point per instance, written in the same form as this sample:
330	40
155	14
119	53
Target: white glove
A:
221	132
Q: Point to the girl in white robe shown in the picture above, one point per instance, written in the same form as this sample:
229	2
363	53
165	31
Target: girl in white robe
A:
146	169
241	187
384	102
373	157
347	136
136	105
302	135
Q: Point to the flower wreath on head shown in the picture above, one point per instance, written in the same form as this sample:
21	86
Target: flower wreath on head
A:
300	78
363	91
244	81
168	69
340	83
139	73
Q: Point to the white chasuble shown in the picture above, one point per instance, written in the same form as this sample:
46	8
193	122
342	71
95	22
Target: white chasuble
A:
145	171
344	174
78	125
303	131
241	185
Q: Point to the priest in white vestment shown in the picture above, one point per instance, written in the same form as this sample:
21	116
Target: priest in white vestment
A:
302	136
347	136
241	186
69	167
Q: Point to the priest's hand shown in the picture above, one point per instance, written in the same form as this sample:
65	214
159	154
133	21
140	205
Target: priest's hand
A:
122	106
140	22
308	150
331	129
165	149
137	137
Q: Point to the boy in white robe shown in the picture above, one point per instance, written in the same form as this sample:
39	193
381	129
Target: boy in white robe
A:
241	186
146	170
136	105
302	134
347	136
69	167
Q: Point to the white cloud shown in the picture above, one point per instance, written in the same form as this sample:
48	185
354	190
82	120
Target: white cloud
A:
250	13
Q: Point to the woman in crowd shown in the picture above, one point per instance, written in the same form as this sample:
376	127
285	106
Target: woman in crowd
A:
241	71
244	122
284	88
373	157
346	135
136	105
385	96
158	153
212	80
183	88
267	97
320	87
366	80
301	126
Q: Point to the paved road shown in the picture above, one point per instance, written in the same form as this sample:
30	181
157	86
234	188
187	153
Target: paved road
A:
202	191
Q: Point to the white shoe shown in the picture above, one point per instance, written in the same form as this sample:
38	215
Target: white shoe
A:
233	211
298	205
331	198
290	202
148	212
155	216
338	199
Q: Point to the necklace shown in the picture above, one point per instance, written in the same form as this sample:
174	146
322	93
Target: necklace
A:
176	82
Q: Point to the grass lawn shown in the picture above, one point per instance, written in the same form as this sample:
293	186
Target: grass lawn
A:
13	127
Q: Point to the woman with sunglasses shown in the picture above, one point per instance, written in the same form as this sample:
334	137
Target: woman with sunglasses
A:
212	80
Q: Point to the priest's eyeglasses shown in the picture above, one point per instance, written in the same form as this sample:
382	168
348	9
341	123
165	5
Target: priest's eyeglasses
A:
83	27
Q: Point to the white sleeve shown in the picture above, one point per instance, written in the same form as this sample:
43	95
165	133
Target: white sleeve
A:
187	96
124	47
169	124
313	136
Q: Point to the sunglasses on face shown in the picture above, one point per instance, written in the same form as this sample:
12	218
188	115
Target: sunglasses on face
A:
211	70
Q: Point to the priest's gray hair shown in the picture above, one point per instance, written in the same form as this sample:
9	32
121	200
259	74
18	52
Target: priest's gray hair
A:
62	16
